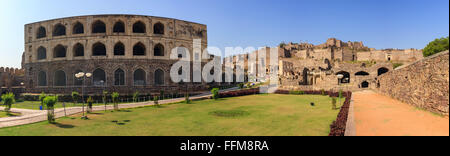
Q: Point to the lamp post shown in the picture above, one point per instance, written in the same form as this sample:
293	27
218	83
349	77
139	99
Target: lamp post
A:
82	76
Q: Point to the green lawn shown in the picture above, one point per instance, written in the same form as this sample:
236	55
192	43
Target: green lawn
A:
257	115
34	105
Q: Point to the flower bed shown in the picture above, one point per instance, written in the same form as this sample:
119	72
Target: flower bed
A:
239	93
338	127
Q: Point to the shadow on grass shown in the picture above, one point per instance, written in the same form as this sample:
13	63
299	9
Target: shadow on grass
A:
97	113
65	126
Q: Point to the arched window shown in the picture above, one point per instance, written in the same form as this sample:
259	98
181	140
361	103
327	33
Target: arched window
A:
119	27
139	77
139	49
42	53
119	77
99	77
78	50
59	30
76	81
42	78
345	78
365	84
158	28
59	51
158	50
78	28
98	27
60	78
98	49
41	33
159	77
382	71
119	49
139	27
362	73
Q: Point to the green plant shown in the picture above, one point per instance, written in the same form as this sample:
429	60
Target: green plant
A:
322	92
8	100
340	94
161	93
105	97
333	102
297	92
41	98
396	65
135	96
436	46
215	93
115	99
187	100
156	100
241	85
50	102
90	101
75	97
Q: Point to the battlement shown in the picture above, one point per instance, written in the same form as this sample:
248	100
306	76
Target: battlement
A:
12	71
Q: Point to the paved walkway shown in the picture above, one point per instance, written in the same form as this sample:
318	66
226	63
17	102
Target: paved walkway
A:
34	116
378	115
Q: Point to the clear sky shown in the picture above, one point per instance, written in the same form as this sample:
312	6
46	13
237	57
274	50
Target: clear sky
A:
378	23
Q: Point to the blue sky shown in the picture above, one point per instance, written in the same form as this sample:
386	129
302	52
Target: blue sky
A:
378	23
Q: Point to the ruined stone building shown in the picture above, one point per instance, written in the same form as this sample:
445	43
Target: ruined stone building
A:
125	53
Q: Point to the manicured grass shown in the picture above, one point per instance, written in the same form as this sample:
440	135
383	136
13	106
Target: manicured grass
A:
4	114
34	105
256	115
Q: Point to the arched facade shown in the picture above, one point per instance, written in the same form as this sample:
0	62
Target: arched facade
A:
125	53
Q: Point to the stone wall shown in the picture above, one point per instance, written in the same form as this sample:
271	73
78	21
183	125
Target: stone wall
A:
424	84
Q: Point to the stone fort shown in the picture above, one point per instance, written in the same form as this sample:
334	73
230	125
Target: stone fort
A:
125	53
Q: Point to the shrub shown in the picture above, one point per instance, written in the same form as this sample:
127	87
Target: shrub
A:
241	85
323	92
90	101
187	100
50	102
135	96
41	98
333	102
156	100
436	46
161	93
340	94
75	97
396	65
8	100
115	99
105	97
297	92
215	93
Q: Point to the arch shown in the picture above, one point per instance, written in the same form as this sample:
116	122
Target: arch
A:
158	28
362	73
139	27
158	50
346	78
78	50
76	81
98	27
159	77
60	78
139	77
98	49
99	77
382	71
78	28
41	33
42	78
119	27
59	51
365	84
41	53
119	77
59	30
119	49
139	49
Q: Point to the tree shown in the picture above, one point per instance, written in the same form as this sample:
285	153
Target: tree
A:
105	98
115	99
90	101
215	93
75	97
436	46
8	100
50	102
156	101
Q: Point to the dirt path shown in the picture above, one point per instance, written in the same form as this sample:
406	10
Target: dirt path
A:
378	115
